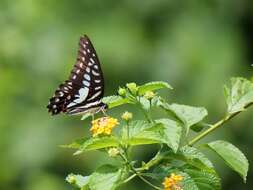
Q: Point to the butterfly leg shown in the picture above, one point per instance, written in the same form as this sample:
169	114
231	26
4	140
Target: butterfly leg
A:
103	110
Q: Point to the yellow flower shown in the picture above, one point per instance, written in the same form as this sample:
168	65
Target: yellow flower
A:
171	183
127	116
103	126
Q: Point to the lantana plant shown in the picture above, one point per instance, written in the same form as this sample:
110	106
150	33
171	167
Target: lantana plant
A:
178	163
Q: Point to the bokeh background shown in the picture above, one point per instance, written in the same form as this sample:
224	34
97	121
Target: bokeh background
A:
196	46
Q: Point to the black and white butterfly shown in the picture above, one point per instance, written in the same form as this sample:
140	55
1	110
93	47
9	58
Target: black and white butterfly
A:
83	91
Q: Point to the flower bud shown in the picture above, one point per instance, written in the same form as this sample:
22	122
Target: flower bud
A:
127	116
113	152
132	87
71	179
122	91
149	95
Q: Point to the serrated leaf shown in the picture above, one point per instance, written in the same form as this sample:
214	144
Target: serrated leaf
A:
164	131
232	156
106	177
78	181
200	180
136	136
153	86
97	143
172	133
113	101
189	115
190	156
239	95
196	158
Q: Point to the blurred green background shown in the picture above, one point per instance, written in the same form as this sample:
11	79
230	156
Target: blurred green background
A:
196	46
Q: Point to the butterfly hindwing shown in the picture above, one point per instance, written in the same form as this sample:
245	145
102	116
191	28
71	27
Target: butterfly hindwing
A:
85	86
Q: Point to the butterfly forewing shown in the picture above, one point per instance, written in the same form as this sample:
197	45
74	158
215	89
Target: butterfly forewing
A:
85	86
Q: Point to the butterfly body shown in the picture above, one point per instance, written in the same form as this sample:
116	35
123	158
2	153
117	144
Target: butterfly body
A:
83	91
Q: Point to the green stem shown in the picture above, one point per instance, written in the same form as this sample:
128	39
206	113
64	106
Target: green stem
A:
129	178
212	128
144	111
124	156
147	182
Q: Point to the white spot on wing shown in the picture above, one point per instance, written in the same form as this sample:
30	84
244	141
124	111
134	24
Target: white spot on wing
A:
88	50
71	104
90	64
87	77
97	88
86	83
95	73
93	55
83	93
95	66
88	69
97	81
78	71
92	60
57	100
81	65
61	94
74	77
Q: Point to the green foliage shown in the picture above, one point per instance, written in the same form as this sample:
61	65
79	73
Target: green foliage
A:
240	95
177	158
200	180
106	177
152	86
232	156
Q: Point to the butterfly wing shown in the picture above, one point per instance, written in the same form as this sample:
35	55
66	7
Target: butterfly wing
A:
85	86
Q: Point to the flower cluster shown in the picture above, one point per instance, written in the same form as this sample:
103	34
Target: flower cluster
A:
171	183
103	126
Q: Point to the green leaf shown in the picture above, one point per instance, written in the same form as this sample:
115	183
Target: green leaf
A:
106	177
164	131
76	144
153	86
78	181
113	101
196	158
85	116
232	156
239	95
187	114
200	180
145	103
190	156
96	143
172	133
136	136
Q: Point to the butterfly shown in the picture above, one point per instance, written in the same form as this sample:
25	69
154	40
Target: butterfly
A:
83	91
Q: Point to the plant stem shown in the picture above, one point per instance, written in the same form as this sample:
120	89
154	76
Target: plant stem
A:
147	182
212	128
130	178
